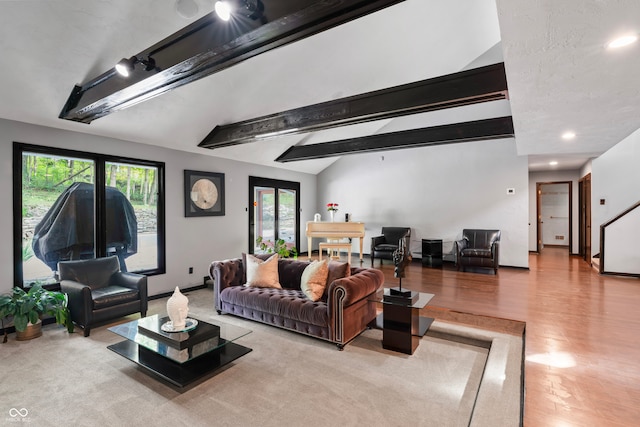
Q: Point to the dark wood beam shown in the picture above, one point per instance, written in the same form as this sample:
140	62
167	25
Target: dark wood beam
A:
453	90
207	46
479	130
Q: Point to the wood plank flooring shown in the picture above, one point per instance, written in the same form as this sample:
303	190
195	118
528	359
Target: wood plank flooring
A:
582	332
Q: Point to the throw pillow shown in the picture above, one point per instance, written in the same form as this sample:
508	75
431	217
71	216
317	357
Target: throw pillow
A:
263	257
263	274
314	279
338	270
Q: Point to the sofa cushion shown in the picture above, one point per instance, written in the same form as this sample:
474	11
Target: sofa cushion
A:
478	253
386	247
109	296
314	279
337	270
262	273
290	271
285	303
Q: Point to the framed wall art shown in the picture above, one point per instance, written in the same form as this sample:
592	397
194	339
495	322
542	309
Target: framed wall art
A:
203	193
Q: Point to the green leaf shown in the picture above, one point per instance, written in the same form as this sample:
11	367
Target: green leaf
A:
20	322
33	317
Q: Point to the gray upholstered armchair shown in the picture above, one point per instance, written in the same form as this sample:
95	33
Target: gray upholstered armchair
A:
99	291
382	247
478	248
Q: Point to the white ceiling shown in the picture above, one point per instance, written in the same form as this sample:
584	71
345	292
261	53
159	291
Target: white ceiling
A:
559	72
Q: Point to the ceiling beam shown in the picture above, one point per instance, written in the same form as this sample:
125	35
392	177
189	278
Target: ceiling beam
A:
207	46
482	84
478	130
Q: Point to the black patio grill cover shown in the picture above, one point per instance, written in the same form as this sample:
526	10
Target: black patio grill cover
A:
66	230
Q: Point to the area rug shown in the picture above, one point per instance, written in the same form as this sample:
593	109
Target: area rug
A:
458	376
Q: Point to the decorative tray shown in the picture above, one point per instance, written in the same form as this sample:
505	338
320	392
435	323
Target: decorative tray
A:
189	325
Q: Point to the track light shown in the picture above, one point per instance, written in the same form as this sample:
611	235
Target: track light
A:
223	10
253	9
125	66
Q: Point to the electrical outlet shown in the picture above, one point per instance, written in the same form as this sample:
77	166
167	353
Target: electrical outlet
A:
190	270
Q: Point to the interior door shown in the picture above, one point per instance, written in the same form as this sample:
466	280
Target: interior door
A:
553	210
585	217
539	221
274	212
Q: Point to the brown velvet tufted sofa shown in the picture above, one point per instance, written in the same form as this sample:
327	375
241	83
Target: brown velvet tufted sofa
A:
342	313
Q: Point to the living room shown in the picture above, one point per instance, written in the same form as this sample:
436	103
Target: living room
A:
437	190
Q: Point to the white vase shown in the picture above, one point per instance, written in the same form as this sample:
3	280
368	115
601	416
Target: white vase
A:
331	214
177	309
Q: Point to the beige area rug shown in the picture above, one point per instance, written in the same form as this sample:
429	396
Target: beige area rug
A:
288	379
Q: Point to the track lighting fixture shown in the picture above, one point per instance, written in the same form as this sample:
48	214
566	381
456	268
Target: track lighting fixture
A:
253	9
125	66
203	48
223	10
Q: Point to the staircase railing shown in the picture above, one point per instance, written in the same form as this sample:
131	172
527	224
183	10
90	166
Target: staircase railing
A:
624	247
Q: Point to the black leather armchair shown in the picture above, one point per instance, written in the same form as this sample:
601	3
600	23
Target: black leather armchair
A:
382	247
99	291
478	248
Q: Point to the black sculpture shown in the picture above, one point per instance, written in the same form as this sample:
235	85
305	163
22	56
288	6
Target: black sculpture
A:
66	232
401	258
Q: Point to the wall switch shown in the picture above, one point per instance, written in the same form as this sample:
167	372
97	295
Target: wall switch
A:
190	270
511	191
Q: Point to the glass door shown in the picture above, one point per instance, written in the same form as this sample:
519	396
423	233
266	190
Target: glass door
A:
274	213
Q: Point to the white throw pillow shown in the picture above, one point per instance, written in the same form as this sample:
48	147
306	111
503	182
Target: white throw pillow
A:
314	279
263	274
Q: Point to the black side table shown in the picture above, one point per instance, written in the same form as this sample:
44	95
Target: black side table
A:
401	323
432	252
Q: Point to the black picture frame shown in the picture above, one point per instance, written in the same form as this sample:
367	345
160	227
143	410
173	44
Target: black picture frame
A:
199	188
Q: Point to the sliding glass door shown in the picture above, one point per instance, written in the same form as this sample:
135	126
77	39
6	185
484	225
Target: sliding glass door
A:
275	212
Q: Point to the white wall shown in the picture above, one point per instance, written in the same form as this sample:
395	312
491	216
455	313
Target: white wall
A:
586	168
554	176
437	191
621	254
190	242
615	177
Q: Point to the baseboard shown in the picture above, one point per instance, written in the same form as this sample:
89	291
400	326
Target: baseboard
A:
168	294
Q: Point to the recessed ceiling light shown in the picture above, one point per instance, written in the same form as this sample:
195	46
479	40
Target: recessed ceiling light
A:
622	41
568	135
553	163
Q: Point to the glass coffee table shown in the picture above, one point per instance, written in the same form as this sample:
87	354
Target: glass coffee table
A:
179	357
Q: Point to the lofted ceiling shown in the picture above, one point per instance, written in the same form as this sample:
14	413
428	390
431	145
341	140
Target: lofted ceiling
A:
560	75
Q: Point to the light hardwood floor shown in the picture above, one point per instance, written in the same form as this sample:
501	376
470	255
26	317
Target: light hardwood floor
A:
582	332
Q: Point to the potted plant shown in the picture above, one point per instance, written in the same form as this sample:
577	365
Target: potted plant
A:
27	306
280	247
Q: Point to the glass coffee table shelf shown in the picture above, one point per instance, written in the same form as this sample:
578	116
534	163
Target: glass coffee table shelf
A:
182	357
